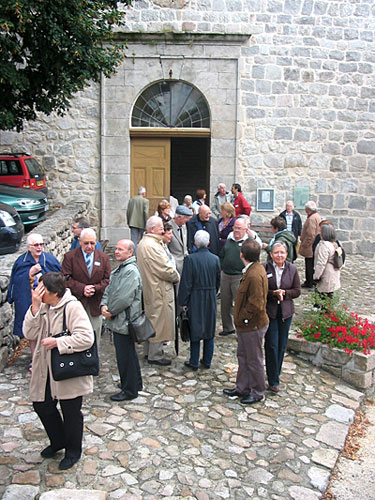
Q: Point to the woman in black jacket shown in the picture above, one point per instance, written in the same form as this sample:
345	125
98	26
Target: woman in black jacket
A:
283	286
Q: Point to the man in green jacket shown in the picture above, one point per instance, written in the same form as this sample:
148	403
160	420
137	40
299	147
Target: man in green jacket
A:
122	300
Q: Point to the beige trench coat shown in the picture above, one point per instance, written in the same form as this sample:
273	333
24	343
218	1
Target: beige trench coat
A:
309	231
46	322
324	271
158	275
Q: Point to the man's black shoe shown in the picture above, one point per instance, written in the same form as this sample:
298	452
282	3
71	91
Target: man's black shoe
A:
67	463
224	334
121	396
160	362
188	365
204	364
250	400
49	452
232	393
307	285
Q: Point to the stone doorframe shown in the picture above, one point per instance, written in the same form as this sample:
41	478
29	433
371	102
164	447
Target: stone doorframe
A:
208	62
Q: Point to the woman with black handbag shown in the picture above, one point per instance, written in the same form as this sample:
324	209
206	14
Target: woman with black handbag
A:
50	300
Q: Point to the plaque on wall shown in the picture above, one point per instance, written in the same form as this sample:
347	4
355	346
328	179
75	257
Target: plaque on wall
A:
265	200
301	196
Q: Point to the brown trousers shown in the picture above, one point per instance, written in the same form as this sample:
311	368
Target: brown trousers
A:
250	375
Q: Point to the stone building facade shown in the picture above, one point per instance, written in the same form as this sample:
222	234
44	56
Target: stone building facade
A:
290	89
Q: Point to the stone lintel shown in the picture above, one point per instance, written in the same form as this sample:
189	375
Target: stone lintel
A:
182	37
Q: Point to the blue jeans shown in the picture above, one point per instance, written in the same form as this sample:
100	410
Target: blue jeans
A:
275	346
208	352
136	235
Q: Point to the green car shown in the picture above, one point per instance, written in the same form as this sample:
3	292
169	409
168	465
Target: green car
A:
30	204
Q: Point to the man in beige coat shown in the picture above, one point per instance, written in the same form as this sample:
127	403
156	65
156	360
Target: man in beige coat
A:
158	276
309	231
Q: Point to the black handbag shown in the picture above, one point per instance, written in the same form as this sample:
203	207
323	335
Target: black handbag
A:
185	327
78	364
140	329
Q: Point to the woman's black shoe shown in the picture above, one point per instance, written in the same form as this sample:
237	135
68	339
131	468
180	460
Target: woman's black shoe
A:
66	463
49	452
188	365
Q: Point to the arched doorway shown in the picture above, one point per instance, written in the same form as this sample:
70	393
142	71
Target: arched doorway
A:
170	141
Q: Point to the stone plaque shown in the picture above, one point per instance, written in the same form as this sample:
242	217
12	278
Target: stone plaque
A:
301	196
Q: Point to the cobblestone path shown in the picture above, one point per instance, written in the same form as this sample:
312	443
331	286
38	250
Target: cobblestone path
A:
182	438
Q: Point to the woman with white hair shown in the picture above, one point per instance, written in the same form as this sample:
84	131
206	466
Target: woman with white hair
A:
326	275
25	273
309	231
200	282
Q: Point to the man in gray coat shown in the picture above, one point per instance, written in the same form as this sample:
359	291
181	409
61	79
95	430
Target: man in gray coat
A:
122	300
137	215
178	245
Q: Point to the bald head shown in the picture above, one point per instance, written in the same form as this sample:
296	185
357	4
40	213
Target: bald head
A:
124	250
204	213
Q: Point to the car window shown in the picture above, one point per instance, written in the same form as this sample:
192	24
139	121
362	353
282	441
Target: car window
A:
34	168
10	167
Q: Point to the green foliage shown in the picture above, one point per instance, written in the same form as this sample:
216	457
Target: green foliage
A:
50	49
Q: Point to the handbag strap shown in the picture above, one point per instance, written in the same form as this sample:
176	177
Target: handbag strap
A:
64	330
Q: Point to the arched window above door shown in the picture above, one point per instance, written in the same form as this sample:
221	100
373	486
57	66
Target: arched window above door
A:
171	104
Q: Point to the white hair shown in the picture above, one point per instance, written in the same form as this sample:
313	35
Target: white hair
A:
153	222
244	217
87	231
221	184
279	244
311	205
188	197
201	239
141	190
32	237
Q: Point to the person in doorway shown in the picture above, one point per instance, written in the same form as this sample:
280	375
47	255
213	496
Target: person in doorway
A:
137	215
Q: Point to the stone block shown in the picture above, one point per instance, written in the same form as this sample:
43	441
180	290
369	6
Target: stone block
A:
302	135
258	72
20	492
358	202
335	355
340	414
364	362
362	380
366	147
283	133
325	456
333	434
325	201
319	478
300	345
335	370
291	74
67	494
337	165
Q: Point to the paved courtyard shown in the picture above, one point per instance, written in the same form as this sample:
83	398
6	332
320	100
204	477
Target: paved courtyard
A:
182	438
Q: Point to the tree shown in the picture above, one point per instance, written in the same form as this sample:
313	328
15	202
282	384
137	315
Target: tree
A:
50	49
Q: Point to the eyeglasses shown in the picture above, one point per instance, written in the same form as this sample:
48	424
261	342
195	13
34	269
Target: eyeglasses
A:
36	245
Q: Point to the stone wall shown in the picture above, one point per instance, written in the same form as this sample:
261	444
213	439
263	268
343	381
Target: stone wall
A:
57	236
305	107
356	368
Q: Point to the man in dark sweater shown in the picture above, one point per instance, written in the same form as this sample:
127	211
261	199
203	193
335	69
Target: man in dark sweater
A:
231	267
203	221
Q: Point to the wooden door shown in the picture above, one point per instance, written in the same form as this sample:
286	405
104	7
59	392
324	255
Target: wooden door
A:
150	167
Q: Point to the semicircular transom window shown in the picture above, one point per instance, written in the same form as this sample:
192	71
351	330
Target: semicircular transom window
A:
171	104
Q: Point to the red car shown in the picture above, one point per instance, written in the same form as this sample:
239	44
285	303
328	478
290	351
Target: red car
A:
22	170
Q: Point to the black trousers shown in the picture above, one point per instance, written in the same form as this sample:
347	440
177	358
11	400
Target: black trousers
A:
309	271
63	433
127	364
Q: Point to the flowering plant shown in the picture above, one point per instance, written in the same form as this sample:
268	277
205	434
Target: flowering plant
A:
331	323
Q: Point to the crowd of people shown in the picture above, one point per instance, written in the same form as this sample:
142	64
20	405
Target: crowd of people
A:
181	260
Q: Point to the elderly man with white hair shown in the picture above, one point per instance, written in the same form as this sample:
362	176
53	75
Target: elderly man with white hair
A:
137	215
26	270
87	271
222	196
158	276
309	232
199	285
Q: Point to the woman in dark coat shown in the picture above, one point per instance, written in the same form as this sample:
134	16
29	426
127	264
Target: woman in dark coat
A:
200	282
283	286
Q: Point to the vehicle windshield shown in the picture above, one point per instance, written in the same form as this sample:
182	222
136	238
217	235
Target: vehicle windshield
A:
34	168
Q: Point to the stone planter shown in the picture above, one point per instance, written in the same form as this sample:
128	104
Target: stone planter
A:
355	368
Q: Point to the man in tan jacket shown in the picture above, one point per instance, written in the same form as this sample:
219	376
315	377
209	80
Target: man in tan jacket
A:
158	276
309	231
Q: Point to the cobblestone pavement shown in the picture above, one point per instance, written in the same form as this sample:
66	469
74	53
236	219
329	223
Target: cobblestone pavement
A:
182	438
